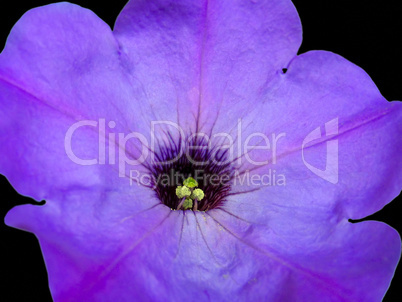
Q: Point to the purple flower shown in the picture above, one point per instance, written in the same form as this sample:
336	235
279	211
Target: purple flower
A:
72	93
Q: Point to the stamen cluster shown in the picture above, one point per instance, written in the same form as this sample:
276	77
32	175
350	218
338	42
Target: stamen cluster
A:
189	194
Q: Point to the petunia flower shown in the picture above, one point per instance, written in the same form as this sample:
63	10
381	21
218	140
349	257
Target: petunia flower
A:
93	122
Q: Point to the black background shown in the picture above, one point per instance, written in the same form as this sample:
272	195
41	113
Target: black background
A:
367	33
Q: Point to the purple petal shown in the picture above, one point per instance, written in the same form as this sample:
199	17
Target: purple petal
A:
319	89
207	255
60	66
338	262
206	56
84	236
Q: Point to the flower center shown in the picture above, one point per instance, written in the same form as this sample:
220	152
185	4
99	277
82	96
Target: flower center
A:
191	174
